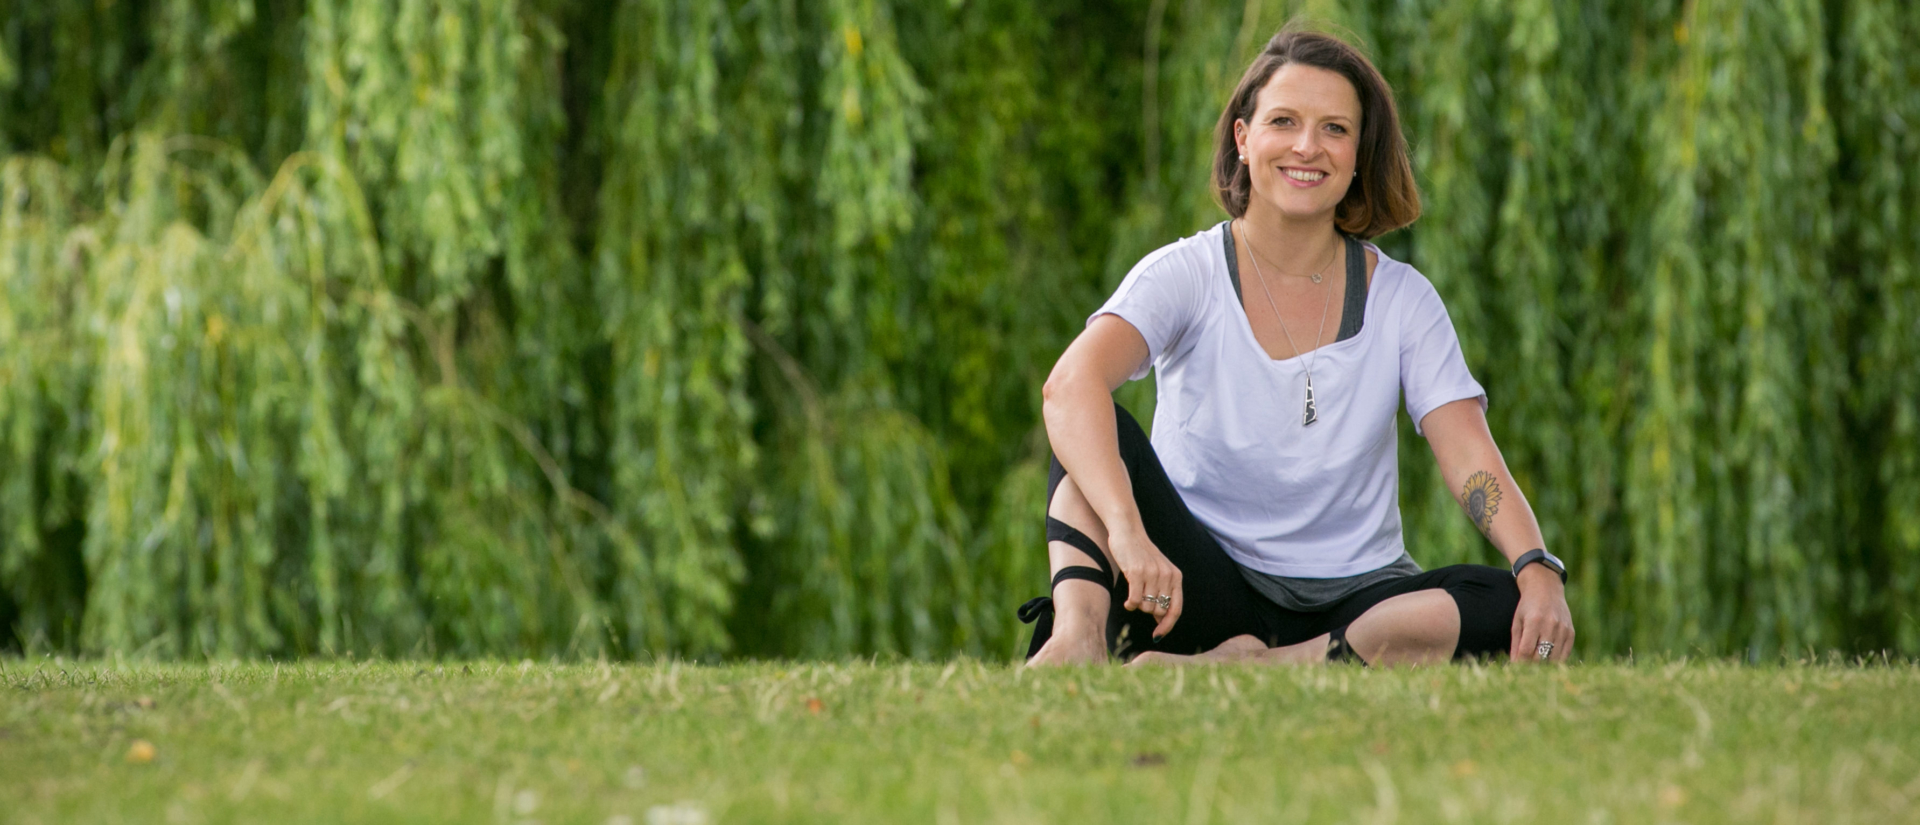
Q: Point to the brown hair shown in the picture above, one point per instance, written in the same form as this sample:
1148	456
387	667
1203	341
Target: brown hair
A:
1384	197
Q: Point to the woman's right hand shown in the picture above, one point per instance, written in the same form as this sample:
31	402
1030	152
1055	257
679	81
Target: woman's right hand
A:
1148	573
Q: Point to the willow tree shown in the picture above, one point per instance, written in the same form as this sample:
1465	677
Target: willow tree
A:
536	327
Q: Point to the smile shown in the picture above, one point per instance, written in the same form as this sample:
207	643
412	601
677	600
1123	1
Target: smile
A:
1304	175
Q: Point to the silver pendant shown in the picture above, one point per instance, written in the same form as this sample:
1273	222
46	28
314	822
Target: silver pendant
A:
1312	415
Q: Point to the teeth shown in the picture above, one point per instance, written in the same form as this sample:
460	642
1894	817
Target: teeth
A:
1297	174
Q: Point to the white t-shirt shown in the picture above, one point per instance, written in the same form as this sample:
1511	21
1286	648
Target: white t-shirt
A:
1318	501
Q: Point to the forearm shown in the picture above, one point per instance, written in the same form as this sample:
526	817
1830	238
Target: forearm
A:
1081	427
1471	464
1477	475
1492	500
1485	490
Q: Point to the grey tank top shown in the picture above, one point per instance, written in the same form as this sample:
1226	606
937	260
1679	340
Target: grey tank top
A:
1313	595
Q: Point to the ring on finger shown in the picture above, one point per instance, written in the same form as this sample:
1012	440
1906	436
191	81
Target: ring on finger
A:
1545	649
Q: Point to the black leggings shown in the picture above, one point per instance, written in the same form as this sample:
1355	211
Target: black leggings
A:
1220	604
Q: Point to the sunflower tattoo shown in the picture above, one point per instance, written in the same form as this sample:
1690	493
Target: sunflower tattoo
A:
1481	497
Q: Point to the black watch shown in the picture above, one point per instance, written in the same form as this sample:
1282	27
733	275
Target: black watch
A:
1543	557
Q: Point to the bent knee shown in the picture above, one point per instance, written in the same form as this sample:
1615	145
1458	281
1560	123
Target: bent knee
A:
1487	598
1482	580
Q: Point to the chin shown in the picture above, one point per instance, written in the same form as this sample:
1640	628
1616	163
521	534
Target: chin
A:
1299	210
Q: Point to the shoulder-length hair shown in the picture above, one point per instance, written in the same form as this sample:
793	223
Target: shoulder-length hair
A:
1384	197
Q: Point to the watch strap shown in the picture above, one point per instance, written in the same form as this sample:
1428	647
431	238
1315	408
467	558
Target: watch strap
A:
1540	555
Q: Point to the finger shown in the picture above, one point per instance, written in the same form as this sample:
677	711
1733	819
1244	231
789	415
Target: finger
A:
1173	613
1563	646
1519	627
1543	633
1135	590
1549	635
1554	632
1526	645
1541	628
1156	584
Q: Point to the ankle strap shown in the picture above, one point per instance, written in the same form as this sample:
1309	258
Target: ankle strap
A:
1058	530
1098	577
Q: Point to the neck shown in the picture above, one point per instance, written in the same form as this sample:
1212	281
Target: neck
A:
1298	244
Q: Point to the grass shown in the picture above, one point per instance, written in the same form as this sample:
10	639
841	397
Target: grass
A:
959	742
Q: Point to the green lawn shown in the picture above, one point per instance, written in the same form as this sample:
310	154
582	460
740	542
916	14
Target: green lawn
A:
961	742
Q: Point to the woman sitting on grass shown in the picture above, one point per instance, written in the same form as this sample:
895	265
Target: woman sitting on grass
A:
1262	520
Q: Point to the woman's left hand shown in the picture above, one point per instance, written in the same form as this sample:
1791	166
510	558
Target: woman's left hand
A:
1542	616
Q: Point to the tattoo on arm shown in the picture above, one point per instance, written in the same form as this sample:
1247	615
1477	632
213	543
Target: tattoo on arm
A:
1481	498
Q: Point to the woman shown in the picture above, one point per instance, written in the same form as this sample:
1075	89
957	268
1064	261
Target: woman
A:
1261	521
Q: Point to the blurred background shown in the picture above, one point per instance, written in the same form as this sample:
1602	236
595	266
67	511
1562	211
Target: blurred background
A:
717	327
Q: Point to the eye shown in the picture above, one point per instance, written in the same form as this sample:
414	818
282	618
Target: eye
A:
1337	128
1282	120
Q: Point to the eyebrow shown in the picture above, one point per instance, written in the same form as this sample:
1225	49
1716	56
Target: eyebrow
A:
1288	110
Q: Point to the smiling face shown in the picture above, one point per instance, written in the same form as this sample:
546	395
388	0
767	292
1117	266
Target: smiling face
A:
1302	144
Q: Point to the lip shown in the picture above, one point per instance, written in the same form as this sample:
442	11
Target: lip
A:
1303	184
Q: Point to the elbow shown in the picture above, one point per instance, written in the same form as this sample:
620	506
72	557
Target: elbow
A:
1057	391
1051	392
1054	386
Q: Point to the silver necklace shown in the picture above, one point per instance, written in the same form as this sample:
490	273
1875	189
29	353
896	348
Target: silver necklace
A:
1312	415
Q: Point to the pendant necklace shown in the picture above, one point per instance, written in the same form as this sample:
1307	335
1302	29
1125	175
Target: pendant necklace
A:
1311	415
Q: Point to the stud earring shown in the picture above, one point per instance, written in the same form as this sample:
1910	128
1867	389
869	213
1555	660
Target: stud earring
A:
1243	158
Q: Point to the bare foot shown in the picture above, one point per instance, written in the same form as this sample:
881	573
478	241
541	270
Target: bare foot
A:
1241	647
1069	648
1310	652
1246	649
1237	649
1155	657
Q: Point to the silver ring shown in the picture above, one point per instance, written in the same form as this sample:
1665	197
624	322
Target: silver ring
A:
1163	601
1545	649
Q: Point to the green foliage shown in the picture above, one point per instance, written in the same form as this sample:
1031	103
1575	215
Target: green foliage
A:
670	327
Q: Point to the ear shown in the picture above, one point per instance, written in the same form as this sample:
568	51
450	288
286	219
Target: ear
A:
1240	137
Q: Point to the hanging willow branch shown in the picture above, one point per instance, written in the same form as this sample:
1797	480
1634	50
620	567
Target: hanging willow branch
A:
682	328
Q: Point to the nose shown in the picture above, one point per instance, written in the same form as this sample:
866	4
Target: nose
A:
1307	144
